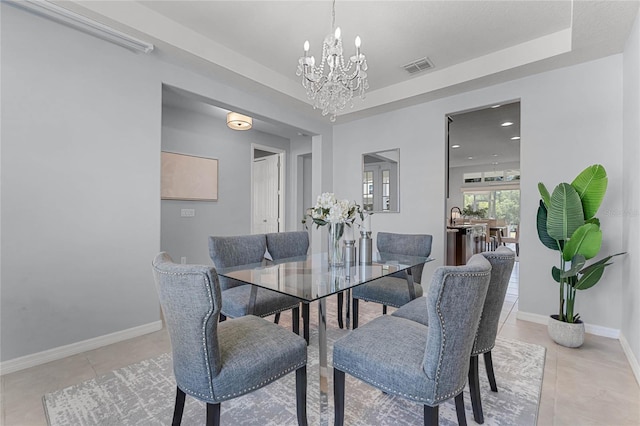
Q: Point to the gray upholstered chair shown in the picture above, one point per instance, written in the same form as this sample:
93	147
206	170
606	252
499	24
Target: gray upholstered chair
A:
427	365
227	252
285	245
501	266
394	290
216	362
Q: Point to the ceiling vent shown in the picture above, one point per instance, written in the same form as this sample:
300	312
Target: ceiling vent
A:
418	66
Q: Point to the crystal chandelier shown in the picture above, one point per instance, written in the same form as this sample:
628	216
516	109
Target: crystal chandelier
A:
333	91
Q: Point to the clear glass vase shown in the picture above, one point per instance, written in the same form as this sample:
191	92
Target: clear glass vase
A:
336	230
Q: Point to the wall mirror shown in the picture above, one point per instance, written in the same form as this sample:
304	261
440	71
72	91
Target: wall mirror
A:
380	183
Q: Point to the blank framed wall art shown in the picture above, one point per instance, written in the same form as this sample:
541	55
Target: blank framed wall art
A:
186	177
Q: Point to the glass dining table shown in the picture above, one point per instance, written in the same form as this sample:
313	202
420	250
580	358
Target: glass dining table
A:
310	279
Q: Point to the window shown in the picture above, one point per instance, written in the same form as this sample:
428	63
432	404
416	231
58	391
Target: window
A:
385	190
472	177
367	191
499	204
492	176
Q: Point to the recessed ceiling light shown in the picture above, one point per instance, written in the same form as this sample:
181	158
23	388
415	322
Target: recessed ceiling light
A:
469	158
515	138
507	123
455	146
496	106
495	155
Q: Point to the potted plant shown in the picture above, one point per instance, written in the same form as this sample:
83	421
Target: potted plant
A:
566	223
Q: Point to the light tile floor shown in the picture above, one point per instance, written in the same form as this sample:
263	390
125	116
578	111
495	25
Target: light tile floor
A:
593	385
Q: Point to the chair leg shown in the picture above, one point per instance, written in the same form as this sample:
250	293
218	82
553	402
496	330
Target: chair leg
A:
431	415
277	318
223	317
338	396
474	390
305	321
301	395
213	414
179	408
384	309
462	418
295	320
340	303
355	313
488	363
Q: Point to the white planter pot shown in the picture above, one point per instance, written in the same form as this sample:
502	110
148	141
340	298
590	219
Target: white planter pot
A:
566	334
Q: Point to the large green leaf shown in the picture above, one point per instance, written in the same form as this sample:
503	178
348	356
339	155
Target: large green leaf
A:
591	278
544	193
541	223
565	213
556	273
591	185
586	240
592	273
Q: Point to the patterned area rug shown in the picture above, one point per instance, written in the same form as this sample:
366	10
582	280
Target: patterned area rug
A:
143	394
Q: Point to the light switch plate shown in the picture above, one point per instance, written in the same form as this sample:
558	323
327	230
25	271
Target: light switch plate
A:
187	212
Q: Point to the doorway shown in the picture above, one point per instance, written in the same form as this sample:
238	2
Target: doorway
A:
267	189
483	179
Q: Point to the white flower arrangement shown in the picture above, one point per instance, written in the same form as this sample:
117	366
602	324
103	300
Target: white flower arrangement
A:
328	209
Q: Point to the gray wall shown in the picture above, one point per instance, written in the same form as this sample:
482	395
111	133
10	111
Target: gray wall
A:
80	172
631	191
571	118
188	132
80	166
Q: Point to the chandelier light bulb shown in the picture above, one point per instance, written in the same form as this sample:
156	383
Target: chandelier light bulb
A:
306	46
337	33
358	42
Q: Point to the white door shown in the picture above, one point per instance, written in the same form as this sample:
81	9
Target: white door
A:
266	177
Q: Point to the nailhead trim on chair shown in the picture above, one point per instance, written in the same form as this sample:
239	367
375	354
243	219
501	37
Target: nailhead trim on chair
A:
444	335
204	337
481	351
381	386
264	382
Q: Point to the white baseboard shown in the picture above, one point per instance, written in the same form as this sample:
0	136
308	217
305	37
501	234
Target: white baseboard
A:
60	352
597	330
633	361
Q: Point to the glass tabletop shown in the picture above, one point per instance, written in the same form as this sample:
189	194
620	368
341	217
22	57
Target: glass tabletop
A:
311	278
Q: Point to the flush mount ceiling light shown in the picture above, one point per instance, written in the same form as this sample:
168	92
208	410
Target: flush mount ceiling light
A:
331	92
455	146
237	121
74	20
515	138
507	124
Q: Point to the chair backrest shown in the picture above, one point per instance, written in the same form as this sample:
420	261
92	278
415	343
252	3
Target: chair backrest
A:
501	262
454	304
190	298
226	252
282	245
407	244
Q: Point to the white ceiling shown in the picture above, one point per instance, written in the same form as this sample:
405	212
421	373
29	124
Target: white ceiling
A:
482	138
472	44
